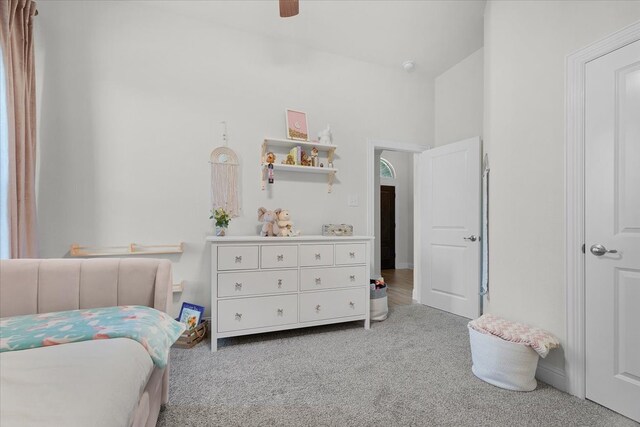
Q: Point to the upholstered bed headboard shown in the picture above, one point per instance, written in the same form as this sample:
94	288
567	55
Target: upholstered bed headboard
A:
29	286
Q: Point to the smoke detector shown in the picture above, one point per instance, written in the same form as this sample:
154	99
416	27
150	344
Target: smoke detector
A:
408	65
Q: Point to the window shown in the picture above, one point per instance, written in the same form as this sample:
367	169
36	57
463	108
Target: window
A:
4	166
386	169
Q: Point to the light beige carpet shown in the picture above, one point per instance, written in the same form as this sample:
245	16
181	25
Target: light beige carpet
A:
414	369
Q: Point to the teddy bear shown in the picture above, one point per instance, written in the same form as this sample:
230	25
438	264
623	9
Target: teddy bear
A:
284	222
270	222
305	159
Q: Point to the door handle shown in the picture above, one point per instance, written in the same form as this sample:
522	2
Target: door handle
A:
472	238
599	250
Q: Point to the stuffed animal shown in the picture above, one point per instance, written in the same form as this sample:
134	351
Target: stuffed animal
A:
286	232
284	223
306	160
290	160
270	222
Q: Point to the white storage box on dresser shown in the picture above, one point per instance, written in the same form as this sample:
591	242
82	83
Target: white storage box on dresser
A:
265	284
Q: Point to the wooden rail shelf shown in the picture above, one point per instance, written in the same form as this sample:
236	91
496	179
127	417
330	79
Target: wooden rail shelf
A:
132	249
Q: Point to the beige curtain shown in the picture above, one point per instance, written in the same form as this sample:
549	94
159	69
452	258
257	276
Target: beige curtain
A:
16	36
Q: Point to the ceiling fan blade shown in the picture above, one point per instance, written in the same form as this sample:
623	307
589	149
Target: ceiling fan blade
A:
289	8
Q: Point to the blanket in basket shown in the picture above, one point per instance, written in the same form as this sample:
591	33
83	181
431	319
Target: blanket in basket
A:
154	330
538	339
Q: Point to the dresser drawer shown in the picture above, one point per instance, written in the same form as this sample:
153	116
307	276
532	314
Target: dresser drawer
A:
259	312
237	257
257	282
314	255
278	256
332	304
338	277
351	253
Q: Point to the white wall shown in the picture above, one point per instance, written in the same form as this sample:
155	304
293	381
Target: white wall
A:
130	101
459	100
403	164
526	43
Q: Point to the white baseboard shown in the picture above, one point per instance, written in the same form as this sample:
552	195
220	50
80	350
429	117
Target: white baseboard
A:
404	265
552	375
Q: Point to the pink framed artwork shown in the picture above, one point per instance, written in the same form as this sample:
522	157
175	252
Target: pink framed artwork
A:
297	125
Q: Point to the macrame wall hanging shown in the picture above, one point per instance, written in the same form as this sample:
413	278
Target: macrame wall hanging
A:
224	178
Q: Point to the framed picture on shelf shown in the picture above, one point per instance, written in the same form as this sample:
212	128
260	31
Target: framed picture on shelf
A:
297	125
190	314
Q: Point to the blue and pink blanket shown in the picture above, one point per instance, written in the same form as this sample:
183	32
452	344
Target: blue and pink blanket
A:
155	330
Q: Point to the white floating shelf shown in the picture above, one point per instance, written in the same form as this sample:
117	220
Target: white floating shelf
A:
293	143
290	143
298	168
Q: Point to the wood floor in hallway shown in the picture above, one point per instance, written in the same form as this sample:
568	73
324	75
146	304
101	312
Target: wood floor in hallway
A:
399	286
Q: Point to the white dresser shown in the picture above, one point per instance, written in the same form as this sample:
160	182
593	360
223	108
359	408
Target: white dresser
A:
264	284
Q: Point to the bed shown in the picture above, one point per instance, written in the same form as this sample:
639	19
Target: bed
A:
106	382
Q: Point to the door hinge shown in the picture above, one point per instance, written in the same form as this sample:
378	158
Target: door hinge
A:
584	248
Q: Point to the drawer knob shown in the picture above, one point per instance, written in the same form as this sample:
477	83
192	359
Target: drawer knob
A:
352	254
238	286
352	304
352	277
280	312
238	316
318	280
279	283
280	257
239	259
318	256
318	307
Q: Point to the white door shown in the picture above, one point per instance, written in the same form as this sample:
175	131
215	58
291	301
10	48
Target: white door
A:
450	238
612	223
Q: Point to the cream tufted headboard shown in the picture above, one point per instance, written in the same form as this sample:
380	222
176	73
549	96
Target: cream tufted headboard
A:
29	286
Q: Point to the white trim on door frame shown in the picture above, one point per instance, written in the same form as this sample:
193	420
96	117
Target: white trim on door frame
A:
406	147
574	199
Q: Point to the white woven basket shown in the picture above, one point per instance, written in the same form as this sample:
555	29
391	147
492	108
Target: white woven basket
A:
503	363
379	309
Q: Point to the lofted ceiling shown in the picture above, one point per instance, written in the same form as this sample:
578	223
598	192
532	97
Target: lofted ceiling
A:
435	34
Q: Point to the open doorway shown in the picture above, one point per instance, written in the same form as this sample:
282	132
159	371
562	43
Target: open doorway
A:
445	202
404	282
394	234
